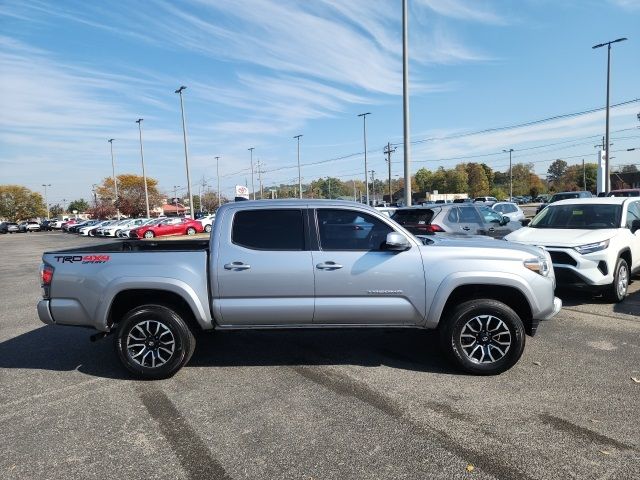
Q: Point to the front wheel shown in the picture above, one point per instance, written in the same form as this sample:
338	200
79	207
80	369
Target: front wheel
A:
191	231
483	337
618	289
154	342
207	228
149	234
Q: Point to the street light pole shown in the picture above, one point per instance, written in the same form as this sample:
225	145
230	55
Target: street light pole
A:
405	103
607	183
175	196
388	151
253	190
364	131
46	202
115	183
144	174
297	137
510	175
218	175
186	151
373	185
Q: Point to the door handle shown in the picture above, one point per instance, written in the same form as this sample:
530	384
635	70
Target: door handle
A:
328	266
236	266
466	228
492	229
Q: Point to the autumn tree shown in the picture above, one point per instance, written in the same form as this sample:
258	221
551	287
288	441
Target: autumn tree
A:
131	199
20	203
56	211
556	170
477	180
80	205
103	209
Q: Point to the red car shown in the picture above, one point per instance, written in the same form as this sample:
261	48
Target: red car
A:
168	226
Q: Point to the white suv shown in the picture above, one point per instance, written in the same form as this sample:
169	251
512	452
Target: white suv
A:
594	243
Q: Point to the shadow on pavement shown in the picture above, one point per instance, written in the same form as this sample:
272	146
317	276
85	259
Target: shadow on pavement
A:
59	348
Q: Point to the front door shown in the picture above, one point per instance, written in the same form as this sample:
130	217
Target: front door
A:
357	280
264	269
633	213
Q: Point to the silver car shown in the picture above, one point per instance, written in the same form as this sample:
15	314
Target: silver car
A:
509	209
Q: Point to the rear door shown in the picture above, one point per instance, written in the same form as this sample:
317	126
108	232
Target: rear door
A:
264	269
463	220
358	281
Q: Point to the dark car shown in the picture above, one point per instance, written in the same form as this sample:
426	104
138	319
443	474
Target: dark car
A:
625	192
3	228
45	225
455	219
563	196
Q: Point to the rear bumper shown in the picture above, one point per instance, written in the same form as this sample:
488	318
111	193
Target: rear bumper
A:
44	312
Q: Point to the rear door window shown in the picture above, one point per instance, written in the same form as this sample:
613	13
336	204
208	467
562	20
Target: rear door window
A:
261	229
351	230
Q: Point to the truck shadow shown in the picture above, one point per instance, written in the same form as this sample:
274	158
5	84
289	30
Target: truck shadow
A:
59	348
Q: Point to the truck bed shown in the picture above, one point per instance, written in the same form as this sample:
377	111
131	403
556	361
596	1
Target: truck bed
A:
140	246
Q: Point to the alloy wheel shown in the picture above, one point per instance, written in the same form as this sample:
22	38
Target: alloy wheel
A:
485	339
150	344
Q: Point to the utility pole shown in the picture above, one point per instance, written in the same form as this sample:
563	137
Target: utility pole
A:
186	150
253	190
388	151
175	196
46	202
364	126
144	175
115	180
354	190
607	181
204	184
218	175
373	185
584	176
297	137
95	195
260	178
405	103
510	175
329	182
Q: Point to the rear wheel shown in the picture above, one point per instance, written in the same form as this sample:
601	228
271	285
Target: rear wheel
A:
191	231
483	337
618	289
207	228
154	342
149	234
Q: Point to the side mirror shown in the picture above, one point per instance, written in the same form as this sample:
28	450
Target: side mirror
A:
504	220
525	222
397	242
635	226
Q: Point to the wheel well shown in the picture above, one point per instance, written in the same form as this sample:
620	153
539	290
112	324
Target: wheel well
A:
510	296
129	299
626	254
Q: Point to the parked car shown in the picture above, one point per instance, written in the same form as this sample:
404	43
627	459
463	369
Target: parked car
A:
76	227
594	243
4	228
45	225
11	227
126	224
485	200
29	226
556	197
168	226
68	224
625	192
108	229
459	219
90	230
277	264
463	200
207	222
508	209
124	233
56	223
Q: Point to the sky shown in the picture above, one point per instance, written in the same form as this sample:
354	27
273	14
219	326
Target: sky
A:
74	74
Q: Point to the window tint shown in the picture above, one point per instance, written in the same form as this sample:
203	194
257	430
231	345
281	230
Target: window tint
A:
413	216
351	230
490	215
468	215
269	229
633	213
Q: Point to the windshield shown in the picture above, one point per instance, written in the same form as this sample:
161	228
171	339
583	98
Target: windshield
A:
581	217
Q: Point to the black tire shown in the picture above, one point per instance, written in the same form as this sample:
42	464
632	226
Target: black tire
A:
207	228
617	291
502	336
153	349
191	231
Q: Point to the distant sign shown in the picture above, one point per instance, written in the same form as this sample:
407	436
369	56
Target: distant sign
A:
242	191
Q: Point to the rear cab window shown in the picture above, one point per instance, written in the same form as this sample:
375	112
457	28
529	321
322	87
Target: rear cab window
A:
264	229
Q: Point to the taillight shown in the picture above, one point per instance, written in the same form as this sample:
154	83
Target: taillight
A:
433	228
46	275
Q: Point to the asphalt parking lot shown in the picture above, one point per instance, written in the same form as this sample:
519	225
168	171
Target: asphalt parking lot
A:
315	405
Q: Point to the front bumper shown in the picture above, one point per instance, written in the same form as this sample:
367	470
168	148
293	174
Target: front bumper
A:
579	271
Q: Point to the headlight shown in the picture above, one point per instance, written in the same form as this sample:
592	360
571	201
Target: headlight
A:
538	265
591	247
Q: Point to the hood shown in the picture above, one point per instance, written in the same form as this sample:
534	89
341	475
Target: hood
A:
488	243
560	237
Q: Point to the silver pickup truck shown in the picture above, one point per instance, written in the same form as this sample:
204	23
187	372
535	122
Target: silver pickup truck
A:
301	264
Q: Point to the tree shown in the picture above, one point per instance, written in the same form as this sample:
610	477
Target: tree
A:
20	203
629	169
131	200
80	205
477	179
103	209
423	180
439	180
210	200
556	170
457	180
488	171
56	211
